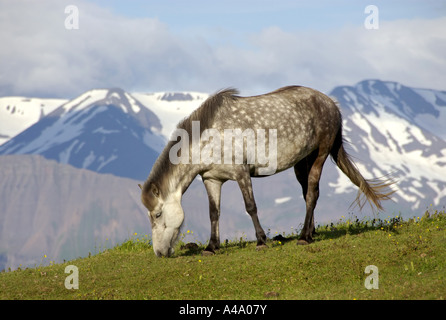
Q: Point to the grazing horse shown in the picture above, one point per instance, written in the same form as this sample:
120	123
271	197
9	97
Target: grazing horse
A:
230	137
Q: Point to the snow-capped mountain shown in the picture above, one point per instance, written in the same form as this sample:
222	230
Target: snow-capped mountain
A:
396	129
392	129
104	130
19	113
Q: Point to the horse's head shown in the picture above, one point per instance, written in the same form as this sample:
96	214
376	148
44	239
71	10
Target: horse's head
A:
166	216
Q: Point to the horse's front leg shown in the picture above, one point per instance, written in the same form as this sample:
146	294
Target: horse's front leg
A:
245	184
213	188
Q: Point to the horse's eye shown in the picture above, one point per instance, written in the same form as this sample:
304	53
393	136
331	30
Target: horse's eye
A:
158	214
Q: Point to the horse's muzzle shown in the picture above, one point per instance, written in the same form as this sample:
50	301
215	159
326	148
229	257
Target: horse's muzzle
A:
160	254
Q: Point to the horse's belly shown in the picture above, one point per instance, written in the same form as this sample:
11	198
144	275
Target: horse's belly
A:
283	154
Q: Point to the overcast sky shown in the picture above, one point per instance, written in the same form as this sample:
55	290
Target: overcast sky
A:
255	46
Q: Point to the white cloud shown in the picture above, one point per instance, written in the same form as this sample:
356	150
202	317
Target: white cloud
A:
40	57
411	52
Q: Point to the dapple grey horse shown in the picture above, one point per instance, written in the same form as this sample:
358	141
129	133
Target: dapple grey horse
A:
230	137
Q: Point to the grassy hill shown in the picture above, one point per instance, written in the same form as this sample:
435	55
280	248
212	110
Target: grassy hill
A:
410	257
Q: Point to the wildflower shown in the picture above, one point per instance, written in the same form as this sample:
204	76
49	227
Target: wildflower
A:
135	234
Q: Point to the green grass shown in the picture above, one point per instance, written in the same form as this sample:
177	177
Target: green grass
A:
410	256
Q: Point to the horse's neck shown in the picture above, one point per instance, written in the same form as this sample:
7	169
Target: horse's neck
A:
183	176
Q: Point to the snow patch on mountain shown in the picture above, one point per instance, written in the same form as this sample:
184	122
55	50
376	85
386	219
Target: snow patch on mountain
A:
19	113
170	107
282	200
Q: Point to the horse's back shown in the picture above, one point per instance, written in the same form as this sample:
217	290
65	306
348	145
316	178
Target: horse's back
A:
302	117
293	108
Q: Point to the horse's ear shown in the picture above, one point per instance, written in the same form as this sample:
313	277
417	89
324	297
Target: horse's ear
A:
140	186
154	190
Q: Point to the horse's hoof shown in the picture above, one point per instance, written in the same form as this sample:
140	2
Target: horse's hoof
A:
207	253
302	242
261	247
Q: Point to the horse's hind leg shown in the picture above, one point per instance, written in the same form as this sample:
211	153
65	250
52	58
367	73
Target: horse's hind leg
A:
302	170
245	184
308	171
